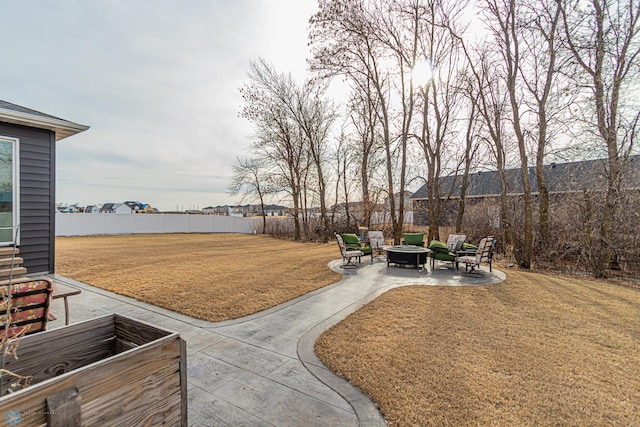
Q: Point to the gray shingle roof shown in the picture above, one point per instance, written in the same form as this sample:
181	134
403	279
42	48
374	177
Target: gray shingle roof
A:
9	106
16	114
560	178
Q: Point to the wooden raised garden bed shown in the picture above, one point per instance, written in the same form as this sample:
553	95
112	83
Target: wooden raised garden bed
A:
111	370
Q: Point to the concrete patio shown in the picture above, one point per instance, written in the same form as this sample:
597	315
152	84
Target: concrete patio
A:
261	370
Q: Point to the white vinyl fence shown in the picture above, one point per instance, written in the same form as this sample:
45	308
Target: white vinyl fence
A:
78	224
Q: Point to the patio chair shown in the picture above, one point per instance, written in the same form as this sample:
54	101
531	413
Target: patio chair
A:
414	239
376	241
455	242
448	252
352	243
348	255
27	306
484	253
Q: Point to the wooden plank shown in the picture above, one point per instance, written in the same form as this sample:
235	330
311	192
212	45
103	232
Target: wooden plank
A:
138	387
6	272
183	382
122	346
152	400
8	250
52	353
135	331
7	261
64	408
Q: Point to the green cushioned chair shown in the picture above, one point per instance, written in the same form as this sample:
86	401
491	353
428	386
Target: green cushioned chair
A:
353	243
440	251
415	239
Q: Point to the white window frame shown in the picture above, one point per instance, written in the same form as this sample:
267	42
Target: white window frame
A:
15	176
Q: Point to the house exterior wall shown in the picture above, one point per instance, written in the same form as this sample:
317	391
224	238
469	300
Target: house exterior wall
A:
37	196
123	209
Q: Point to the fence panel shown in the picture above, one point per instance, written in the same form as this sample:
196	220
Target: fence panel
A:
77	224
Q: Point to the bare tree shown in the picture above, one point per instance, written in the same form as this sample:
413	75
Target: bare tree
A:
314	115
470	149
278	137
250	180
539	72
343	43
363	116
441	96
342	179
365	42
505	29
604	39
491	102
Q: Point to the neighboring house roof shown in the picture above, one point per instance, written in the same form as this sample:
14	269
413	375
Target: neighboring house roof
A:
275	207
12	113
107	207
560	178
136	206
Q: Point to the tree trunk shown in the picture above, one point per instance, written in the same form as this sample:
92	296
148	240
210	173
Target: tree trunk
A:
468	155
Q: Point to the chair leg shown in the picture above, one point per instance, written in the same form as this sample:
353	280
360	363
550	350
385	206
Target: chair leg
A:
473	271
348	263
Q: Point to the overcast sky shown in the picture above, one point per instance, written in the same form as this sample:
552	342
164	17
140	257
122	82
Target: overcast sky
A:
158	83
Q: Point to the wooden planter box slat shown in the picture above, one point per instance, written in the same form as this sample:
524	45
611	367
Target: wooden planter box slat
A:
126	372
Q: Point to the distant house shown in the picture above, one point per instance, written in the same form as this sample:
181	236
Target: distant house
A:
107	208
134	206
239	210
92	209
561	178
408	206
147	208
28	141
121	208
117	208
70	209
217	210
246	210
211	210
274	210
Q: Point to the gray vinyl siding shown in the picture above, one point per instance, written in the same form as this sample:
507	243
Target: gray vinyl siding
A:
37	196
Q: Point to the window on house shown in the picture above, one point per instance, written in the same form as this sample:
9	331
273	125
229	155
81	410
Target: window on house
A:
9	189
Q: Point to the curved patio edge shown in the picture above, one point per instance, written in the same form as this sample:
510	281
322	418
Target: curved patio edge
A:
364	407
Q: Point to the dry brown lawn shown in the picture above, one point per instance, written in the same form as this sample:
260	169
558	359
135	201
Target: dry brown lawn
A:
209	276
537	349
534	350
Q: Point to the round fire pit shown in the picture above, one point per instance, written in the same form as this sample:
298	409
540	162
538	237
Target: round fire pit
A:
407	255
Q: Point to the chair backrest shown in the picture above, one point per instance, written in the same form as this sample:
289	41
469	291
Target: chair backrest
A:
455	242
416	239
485	249
343	247
28	307
376	239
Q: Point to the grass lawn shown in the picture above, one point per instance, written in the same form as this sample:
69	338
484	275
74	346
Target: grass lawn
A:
535	350
209	276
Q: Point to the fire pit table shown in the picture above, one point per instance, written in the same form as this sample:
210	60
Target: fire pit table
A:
407	255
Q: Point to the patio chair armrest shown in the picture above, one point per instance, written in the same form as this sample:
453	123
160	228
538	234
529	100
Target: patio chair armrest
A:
468	252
